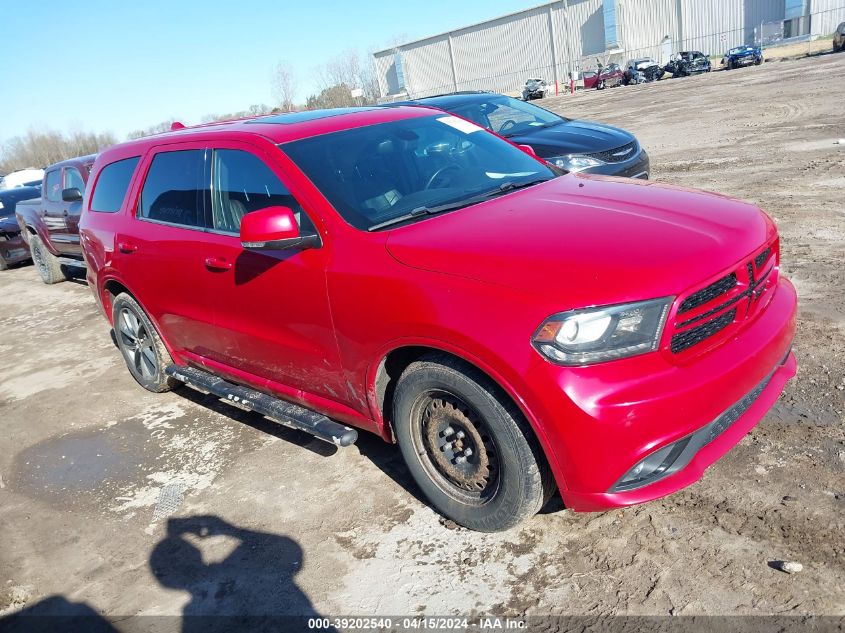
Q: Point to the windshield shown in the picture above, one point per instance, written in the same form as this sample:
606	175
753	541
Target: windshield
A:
738	50
505	116
378	173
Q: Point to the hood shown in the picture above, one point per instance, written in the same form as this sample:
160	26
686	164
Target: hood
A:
588	240
573	137
745	53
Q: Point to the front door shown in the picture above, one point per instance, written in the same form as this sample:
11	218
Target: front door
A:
271	308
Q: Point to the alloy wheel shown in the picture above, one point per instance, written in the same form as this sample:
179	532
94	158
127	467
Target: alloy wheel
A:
137	345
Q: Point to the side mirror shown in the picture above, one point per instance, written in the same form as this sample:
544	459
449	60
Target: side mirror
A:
71	195
528	150
274	228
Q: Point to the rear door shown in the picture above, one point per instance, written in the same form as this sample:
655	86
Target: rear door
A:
271	308
160	250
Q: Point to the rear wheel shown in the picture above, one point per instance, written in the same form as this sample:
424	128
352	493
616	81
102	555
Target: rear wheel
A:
142	348
467	447
47	264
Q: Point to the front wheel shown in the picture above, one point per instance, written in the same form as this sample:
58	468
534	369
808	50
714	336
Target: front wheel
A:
142	348
600	85
468	448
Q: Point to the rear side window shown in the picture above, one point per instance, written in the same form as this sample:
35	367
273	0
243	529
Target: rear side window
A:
177	188
112	185
54	185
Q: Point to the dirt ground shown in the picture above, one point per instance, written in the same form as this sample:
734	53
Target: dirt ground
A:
136	503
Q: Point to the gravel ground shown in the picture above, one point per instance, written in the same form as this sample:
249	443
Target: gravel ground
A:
136	503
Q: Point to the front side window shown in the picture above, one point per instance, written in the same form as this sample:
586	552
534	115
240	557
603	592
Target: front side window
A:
243	183
112	184
73	179
177	190
381	175
507	116
54	185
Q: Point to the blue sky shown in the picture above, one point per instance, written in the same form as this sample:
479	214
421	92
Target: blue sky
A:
124	65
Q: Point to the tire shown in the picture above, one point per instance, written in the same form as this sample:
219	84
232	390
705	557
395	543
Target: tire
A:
47	264
600	85
3	264
140	345
492	473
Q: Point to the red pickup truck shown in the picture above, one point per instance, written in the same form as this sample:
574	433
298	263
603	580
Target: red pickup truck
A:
403	271
50	224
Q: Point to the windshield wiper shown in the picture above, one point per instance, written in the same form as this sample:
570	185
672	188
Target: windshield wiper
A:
511	186
452	206
423	211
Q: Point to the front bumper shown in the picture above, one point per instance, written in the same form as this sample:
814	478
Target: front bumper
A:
637	167
13	248
616	414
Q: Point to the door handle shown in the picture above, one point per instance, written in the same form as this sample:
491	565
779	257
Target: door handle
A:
217	263
127	247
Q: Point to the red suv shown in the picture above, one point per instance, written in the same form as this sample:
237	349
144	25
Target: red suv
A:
403	271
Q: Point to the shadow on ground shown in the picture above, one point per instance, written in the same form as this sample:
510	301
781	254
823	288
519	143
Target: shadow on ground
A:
237	579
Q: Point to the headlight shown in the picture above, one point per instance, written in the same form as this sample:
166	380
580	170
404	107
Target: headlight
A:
1	204
574	162
594	335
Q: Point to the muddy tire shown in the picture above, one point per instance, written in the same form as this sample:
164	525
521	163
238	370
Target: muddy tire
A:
467	446
47	264
141	346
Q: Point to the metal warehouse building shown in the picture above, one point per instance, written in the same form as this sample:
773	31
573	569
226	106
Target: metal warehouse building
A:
555	38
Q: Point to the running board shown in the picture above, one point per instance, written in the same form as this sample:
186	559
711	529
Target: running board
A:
281	411
70	261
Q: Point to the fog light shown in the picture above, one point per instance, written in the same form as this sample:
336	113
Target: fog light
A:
655	466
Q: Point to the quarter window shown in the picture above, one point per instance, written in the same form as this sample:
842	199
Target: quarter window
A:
177	188
54	186
112	184
243	183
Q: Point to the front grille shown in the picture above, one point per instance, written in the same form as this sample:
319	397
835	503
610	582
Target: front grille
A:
693	336
617	154
709	293
762	257
731	298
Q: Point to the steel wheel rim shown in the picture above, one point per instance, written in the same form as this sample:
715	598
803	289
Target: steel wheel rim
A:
137	345
443	428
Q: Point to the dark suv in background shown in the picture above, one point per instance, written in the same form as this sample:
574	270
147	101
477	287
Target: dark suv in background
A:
576	146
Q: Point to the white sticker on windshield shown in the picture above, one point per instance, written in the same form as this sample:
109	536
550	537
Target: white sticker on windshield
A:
459	124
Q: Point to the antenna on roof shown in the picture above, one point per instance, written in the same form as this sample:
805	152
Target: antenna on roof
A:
176	125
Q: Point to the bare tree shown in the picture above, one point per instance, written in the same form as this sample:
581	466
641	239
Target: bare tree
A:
39	148
158	128
339	76
284	86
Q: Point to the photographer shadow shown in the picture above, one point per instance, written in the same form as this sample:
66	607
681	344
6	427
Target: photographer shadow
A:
251	588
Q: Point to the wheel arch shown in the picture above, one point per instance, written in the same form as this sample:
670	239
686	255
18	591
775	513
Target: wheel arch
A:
384	374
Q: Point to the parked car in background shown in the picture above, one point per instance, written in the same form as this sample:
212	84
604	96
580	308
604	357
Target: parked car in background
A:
566	143
839	38
642	70
535	89
13	248
50	224
742	56
22	178
406	272
609	76
688	63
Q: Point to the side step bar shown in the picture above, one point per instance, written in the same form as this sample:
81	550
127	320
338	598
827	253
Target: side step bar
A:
281	411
